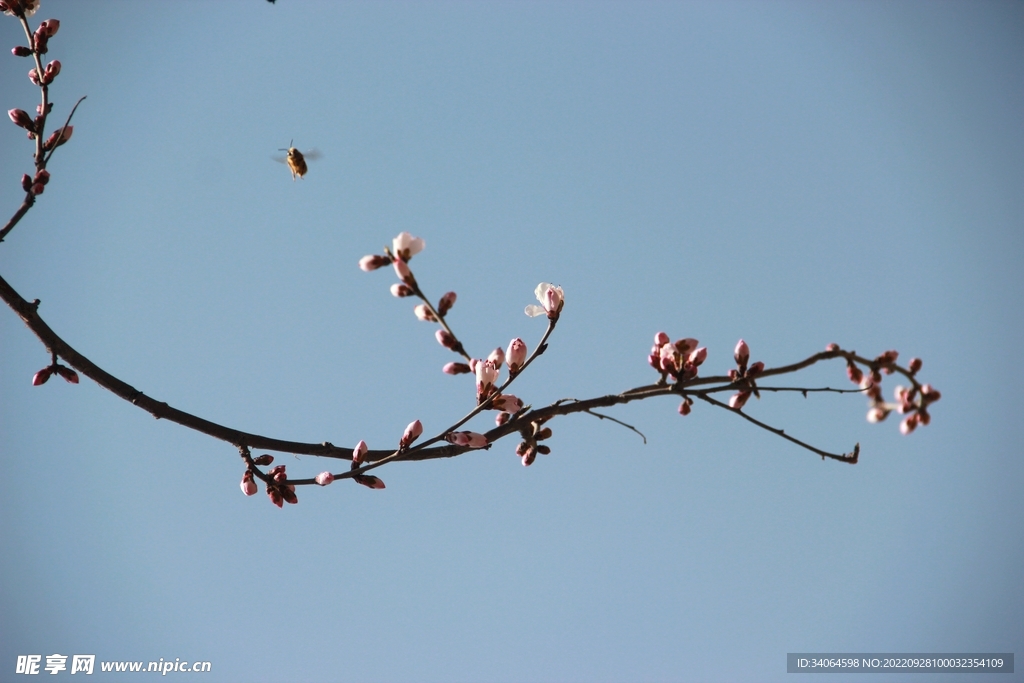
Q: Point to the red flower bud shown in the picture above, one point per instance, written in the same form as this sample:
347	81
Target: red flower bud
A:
38	188
21	51
41	376
686	406
26	182
264	459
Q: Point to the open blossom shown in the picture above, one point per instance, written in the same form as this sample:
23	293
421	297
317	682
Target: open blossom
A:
412	432
405	246
516	355
551	300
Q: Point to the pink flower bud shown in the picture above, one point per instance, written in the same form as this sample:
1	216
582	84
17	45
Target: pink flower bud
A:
660	339
755	369
877	414
854	373
22	119
497	357
486	373
263	460
275	496
278	474
832	348
26	182
324	478
403	272
698	356
424	313
358	452
67	373
33	76
58	138
41	376
445	339
686	406
21	51
929	394
909	424
38	188
368	480
51	71
737	401
741	354
373	262
529	455
507	403
456	369
248	485
412	432
446	303
516	355
915	365
405	246
543	434
51	27
43	176
923	417
288	493
471	439
502	418
401	289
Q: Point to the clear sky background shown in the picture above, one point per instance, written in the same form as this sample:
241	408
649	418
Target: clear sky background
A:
792	173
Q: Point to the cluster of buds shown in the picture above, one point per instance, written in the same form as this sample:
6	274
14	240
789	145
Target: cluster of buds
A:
744	375
55	369
35	185
680	359
278	488
528	448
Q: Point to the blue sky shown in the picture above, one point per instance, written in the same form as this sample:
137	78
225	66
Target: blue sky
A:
790	173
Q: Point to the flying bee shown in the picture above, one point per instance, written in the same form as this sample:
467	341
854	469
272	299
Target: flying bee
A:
296	160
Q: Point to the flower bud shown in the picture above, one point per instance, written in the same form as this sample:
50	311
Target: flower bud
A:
324	478
403	272
471	439
424	313
528	456
288	493
497	357
26	182
67	373
33	76
507	403
909	424
515	356
373	262
915	365
368	480
263	460
21	51
445	339
877	414
755	369
737	401
38	188
660	339
686	406
399	289
741	354
278	474
456	369
543	434
248	485
22	119
412	432
446	303
698	356
502	418
275	496
929	394
51	71
51	27
41	376
854	373
43	176
58	138
832	348
358	452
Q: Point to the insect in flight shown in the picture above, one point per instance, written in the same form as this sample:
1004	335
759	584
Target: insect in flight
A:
296	160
